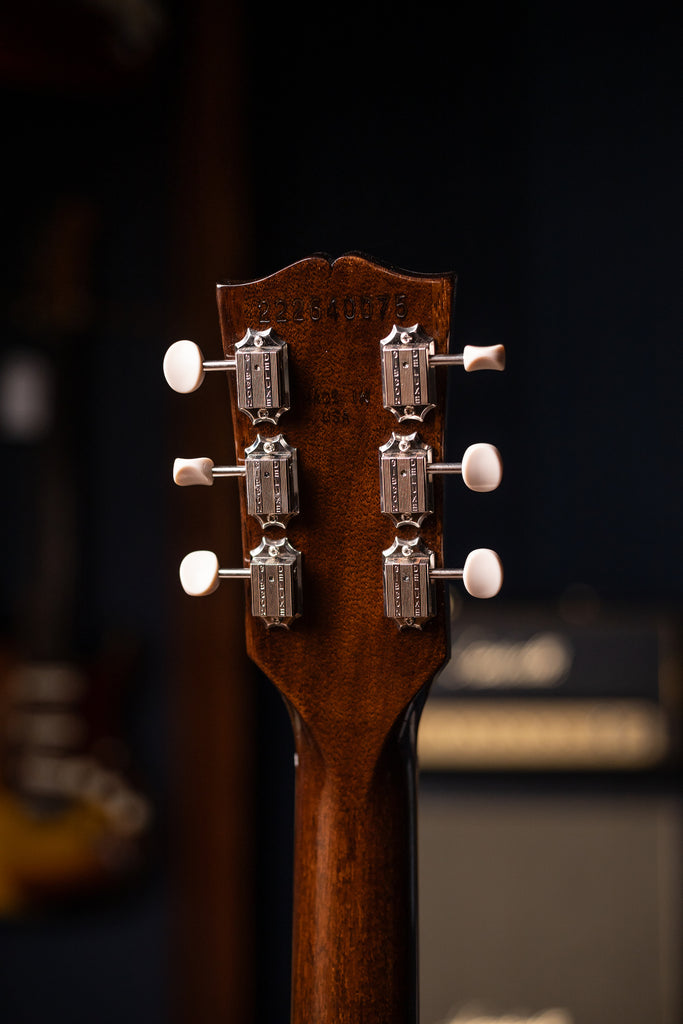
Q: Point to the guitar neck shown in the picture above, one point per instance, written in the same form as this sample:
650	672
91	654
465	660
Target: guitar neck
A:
354	947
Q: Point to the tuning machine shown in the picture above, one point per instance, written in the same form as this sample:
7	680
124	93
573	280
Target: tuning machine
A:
274	572
260	364
406	472
270	471
408	361
410	573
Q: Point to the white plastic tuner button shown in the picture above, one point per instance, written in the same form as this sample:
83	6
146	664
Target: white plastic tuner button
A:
199	573
482	574
184	367
187	472
489	357
482	467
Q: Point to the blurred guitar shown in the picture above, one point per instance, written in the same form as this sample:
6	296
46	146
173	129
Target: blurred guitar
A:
337	381
71	819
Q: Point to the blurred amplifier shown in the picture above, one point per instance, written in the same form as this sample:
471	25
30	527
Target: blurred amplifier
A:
578	687
547	900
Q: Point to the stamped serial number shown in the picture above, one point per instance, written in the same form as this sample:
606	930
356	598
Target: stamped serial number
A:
314	308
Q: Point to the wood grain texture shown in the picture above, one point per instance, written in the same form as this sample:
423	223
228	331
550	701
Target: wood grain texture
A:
353	683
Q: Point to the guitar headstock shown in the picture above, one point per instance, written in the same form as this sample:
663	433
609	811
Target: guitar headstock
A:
338	405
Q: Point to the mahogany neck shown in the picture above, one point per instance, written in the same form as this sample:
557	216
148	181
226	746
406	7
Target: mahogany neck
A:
355	906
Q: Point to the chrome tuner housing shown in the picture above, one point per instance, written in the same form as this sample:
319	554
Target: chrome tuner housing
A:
409	594
262	376
276	592
272	481
406	492
407	377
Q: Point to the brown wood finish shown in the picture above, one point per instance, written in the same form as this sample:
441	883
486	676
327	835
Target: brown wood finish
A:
354	685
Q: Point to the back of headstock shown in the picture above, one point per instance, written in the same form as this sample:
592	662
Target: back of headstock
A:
319	354
343	656
337	380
